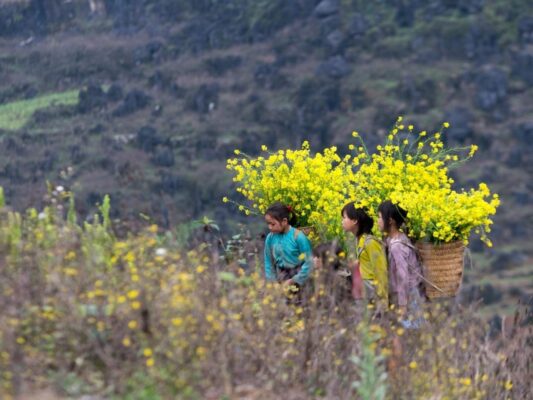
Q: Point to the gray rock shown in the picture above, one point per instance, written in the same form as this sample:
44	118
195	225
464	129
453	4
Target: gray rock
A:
335	67
522	66
515	158
164	158
148	139
525	30
503	259
358	25
521	198
135	100
115	93
523	133
460	130
204	99
90	98
481	42
491	88
147	53
405	14
326	8
329	24
269	76
335	40
419	94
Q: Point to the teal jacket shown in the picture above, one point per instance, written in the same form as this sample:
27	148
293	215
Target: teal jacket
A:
288	251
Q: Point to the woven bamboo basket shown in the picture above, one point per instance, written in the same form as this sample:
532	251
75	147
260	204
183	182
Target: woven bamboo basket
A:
443	267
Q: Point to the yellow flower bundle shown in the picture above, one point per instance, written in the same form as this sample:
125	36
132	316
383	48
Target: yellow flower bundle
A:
411	170
314	185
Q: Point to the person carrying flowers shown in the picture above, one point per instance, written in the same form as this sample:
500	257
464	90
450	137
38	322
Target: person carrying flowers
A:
406	281
371	261
288	255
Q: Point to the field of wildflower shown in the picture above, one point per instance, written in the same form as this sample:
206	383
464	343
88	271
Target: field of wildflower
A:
143	315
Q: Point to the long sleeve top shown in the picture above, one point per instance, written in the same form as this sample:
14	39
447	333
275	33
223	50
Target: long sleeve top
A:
287	251
404	269
373	263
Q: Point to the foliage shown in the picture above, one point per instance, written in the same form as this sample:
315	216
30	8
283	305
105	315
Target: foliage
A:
14	115
412	170
316	186
372	384
140	316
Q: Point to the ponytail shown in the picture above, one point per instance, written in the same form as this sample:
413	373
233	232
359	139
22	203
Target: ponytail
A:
280	211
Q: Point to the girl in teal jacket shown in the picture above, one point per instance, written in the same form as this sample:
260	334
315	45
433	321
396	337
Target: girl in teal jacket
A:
288	255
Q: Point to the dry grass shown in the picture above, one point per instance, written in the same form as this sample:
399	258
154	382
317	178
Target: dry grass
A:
144	317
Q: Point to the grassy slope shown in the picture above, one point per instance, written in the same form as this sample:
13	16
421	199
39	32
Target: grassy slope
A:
14	115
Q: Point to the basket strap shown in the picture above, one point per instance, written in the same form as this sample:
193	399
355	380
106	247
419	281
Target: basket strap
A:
413	269
426	280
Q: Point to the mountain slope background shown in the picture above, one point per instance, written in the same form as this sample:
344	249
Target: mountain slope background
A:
146	101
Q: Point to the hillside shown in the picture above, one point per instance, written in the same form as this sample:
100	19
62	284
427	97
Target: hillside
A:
145	102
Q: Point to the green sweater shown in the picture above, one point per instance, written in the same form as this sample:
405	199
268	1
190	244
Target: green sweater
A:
287	251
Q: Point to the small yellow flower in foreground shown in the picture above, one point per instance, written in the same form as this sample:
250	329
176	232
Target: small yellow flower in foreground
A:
153	228
264	148
508	385
466	381
70	271
412	364
21	340
351	147
200	269
355	134
201	351
150	362
148	352
405	141
423	133
410	127
136	305
437	135
446	124
237	151
126	342
400	118
225	199
132	294
132	324
400	331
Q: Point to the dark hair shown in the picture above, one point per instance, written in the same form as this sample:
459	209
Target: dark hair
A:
329	253
280	211
361	216
389	211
